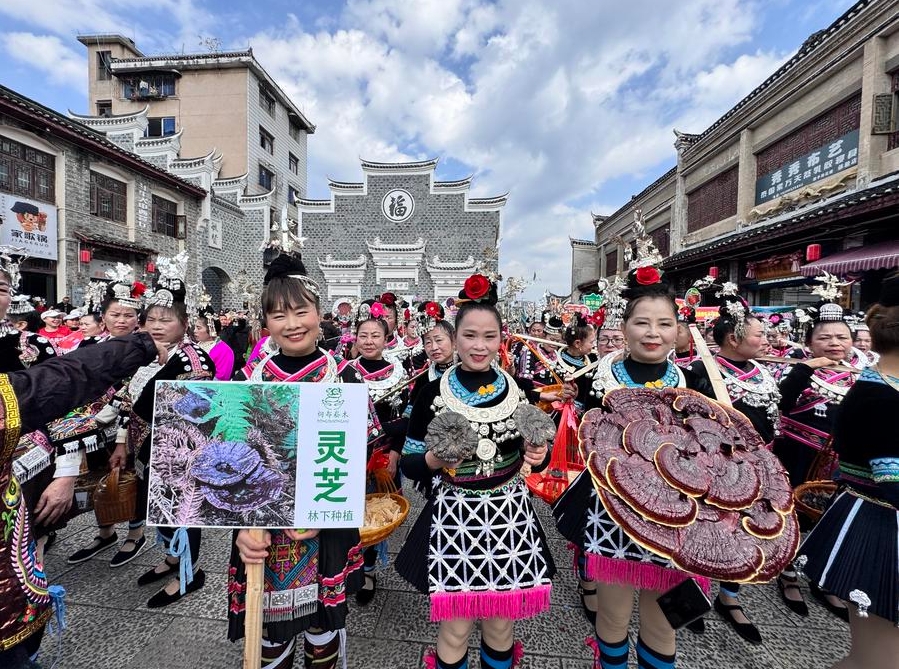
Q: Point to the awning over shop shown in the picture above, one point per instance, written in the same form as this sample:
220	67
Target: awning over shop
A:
873	256
115	244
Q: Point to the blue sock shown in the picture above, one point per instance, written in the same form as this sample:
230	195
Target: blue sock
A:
647	658
613	655
495	659
730	590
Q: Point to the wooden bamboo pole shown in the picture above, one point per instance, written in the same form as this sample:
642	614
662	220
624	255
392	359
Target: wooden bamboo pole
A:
711	367
252	645
795	361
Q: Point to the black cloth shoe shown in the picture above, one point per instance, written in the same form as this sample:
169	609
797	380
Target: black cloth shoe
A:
365	594
98	546
123	556
840	612
697	626
584	593
799	607
162	598
152	576
747	631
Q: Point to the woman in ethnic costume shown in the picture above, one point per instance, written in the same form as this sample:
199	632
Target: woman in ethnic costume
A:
382	377
740	337
607	558
94	428
439	342
46	498
166	321
811	395
296	559
580	338
207	338
29	399
496	565
852	551
438	347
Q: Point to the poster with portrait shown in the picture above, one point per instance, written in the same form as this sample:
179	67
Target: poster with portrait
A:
273	455
29	225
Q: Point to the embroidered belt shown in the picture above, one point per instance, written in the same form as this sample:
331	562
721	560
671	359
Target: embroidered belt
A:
803	433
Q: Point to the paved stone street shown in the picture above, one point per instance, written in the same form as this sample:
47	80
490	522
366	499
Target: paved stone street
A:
109	626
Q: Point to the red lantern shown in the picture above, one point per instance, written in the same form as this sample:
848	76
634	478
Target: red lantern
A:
713	272
812	252
151	267
85	256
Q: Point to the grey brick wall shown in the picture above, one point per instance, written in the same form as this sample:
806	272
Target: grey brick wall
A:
440	219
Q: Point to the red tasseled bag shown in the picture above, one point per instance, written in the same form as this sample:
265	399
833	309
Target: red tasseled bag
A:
565	462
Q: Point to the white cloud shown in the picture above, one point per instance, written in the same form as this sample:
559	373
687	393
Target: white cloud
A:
48	54
550	100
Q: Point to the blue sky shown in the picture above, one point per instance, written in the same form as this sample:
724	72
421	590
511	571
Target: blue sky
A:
568	105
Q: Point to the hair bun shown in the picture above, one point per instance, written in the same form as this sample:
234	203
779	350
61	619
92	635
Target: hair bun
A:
286	264
478	288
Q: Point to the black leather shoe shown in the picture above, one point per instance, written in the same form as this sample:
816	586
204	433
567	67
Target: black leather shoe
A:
366	594
840	612
696	626
162	598
797	606
584	593
152	576
747	631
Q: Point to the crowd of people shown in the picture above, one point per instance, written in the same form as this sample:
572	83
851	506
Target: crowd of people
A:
465	409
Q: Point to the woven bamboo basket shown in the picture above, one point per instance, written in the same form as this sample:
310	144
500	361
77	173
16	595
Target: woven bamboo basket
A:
115	497
370	536
85	487
812	498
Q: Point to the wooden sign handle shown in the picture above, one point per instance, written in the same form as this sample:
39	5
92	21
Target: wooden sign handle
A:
711	367
252	648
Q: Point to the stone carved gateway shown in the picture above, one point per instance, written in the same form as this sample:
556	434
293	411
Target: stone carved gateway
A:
389	222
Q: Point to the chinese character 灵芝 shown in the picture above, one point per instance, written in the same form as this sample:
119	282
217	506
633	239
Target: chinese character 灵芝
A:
329	484
331	446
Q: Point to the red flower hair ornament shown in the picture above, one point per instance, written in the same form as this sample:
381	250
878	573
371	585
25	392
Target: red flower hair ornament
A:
377	310
432	309
597	318
476	286
138	289
647	276
388	299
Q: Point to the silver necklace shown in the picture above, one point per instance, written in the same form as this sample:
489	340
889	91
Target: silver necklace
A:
493	425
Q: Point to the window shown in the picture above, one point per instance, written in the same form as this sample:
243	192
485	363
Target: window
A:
104	108
293	194
266	101
109	198
266	141
149	87
295	131
294	163
166	220
266	177
160	126
104	61
26	171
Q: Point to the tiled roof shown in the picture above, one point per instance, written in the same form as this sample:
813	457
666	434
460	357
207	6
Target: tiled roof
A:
29	112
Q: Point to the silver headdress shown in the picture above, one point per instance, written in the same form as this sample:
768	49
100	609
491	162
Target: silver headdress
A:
20	304
828	289
122	286
172	273
647	254
11	259
614	304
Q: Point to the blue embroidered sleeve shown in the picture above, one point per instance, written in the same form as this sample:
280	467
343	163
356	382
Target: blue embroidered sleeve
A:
413	446
885	470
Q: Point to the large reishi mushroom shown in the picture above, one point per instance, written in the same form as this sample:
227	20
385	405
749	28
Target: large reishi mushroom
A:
690	480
